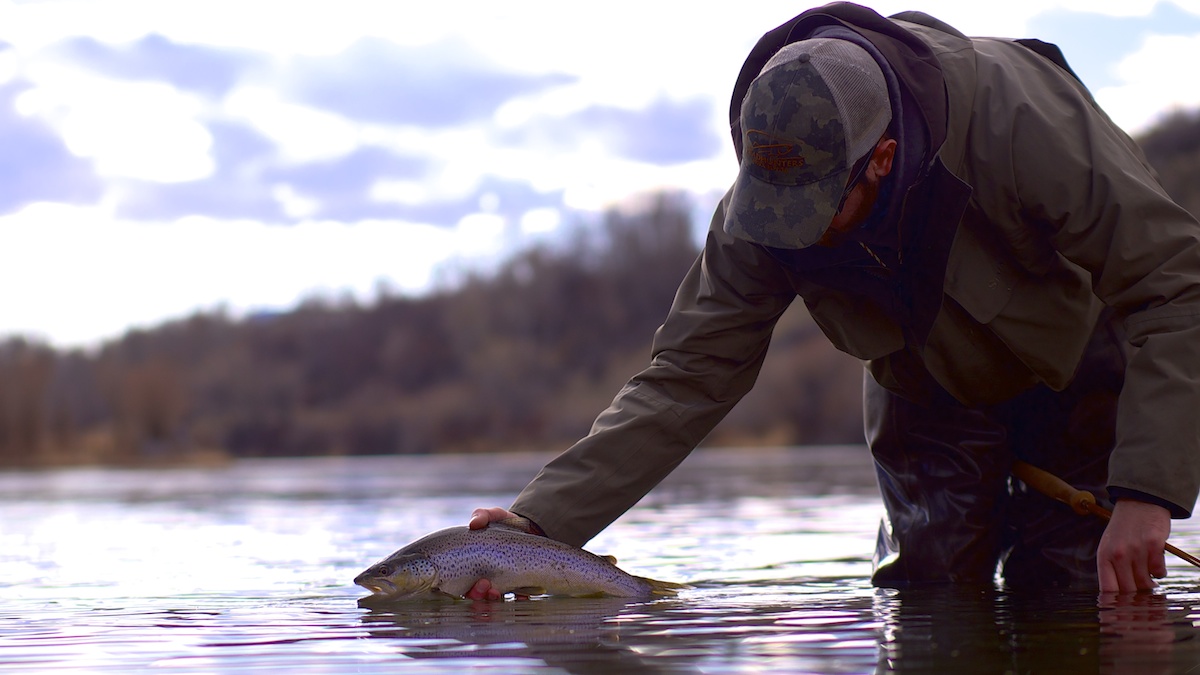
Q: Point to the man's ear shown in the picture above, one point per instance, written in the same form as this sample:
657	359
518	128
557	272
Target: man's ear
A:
881	158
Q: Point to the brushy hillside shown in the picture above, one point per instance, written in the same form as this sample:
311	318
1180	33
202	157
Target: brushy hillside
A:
520	359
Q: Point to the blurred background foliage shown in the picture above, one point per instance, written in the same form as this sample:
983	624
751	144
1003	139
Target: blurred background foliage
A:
520	358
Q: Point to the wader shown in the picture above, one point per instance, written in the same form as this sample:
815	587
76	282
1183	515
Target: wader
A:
955	514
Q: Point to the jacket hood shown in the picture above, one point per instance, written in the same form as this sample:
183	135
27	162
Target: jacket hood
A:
910	58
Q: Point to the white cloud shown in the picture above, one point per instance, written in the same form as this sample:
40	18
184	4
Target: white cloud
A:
406	192
114	274
143	130
627	54
540	221
1150	87
479	235
303	134
294	204
277	26
10	65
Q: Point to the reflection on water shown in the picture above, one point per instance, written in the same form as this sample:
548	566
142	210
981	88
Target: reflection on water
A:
578	636
954	630
249	566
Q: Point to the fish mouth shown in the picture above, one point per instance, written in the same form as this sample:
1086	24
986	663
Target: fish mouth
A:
378	586
386	591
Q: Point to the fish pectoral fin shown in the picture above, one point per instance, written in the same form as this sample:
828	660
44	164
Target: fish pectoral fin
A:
664	589
528	590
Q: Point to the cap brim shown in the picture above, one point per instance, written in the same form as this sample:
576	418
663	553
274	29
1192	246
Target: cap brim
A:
783	216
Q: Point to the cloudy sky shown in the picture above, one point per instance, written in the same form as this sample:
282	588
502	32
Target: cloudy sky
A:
165	156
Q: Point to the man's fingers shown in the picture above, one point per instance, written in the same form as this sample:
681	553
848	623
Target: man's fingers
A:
1143	560
479	519
1108	577
1129	571
480	590
1141	575
1126	582
1132	547
483	590
1158	566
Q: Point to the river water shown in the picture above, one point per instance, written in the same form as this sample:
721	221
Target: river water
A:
249	567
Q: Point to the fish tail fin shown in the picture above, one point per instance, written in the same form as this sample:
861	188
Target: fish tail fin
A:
664	589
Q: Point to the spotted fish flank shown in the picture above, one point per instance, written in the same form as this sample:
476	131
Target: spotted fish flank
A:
450	561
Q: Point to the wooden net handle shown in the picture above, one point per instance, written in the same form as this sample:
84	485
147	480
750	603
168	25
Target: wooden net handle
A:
1082	501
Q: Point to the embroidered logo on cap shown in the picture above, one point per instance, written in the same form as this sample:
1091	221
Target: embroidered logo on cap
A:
773	153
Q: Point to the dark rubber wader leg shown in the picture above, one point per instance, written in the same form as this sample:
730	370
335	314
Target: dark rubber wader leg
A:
1071	434
943	474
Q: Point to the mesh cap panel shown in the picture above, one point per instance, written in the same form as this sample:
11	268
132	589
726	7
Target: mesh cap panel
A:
818	106
856	83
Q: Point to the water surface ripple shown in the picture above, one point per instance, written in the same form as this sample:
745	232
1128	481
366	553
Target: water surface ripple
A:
248	567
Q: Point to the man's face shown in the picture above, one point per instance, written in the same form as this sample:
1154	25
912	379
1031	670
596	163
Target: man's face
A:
858	203
854	211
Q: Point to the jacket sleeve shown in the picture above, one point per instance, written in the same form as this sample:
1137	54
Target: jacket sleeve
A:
1059	162
706	356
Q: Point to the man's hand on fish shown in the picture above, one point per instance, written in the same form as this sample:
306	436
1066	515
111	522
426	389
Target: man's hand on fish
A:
481	518
483	590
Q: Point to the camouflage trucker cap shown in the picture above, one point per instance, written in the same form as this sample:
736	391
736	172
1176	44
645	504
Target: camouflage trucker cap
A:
816	107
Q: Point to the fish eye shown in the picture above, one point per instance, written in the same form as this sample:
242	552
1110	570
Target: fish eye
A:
383	570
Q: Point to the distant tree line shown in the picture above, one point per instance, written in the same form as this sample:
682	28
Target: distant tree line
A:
1173	149
520	358
523	357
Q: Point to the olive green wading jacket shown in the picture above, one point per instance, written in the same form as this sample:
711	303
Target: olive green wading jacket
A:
1034	210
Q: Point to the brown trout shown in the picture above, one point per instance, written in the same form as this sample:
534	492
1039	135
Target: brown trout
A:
450	561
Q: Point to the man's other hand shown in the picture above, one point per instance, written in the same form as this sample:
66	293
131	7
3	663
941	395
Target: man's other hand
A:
1131	554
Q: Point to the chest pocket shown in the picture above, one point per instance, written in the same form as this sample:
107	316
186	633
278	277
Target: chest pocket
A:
978	276
1036	303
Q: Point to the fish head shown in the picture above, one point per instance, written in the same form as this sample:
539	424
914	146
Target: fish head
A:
399	576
